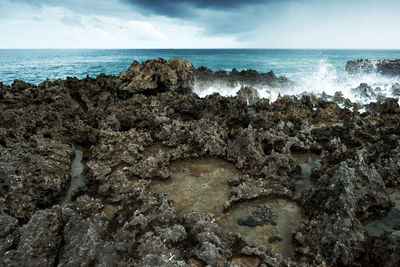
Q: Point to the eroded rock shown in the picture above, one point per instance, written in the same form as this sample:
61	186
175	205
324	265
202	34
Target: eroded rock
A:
119	220
158	75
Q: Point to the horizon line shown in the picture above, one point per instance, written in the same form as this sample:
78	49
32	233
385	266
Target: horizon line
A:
217	48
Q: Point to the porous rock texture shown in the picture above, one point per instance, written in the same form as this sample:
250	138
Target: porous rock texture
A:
119	221
158	74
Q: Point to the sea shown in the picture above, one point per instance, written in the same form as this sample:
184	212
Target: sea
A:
313	70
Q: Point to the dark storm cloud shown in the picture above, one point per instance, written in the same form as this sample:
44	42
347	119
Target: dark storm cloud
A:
91	7
169	8
214	17
182	8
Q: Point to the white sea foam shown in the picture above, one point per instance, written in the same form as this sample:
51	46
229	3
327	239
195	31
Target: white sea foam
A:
325	79
217	88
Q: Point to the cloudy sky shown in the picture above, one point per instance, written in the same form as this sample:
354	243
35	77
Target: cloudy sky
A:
199	24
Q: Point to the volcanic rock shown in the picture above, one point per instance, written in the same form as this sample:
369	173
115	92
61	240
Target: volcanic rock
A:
360	66
206	78
39	241
158	75
396	89
248	95
364	90
385	67
385	106
119	221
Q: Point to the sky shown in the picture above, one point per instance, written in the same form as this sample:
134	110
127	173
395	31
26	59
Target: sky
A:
345	24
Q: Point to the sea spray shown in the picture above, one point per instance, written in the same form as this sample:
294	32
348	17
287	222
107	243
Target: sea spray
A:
324	80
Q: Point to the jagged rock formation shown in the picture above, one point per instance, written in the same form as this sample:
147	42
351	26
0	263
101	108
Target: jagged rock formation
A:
120	221
385	67
206	78
248	95
158	74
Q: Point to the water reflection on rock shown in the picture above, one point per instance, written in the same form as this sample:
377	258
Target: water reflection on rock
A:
275	221
77	178
203	184
307	161
231	144
378	226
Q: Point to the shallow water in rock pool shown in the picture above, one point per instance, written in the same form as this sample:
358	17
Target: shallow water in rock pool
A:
307	161
203	184
77	177
380	225
274	230
197	184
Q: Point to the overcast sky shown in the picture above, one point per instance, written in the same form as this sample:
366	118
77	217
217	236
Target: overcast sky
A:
200	24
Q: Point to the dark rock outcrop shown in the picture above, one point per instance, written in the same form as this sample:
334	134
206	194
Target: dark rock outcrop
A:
364	91
396	89
39	241
206	78
360	66
248	95
385	67
158	75
385	250
385	106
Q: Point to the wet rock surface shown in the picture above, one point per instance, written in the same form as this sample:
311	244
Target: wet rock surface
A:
267	223
385	67
262	215
378	226
205	77
119	220
248	95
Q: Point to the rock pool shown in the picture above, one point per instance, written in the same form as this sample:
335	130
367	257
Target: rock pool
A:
197	184
265	223
77	177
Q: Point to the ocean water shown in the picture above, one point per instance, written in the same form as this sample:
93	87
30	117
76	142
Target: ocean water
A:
313	71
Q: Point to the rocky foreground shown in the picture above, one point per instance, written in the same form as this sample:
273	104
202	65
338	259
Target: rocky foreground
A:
116	220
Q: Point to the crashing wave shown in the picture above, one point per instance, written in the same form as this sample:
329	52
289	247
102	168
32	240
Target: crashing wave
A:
358	87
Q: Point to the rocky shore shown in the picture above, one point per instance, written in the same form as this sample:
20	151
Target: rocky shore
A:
132	128
384	67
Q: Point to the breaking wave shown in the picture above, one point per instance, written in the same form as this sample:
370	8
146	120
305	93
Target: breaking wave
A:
324	81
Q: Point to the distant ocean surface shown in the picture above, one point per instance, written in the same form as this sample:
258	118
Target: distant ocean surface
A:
313	70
